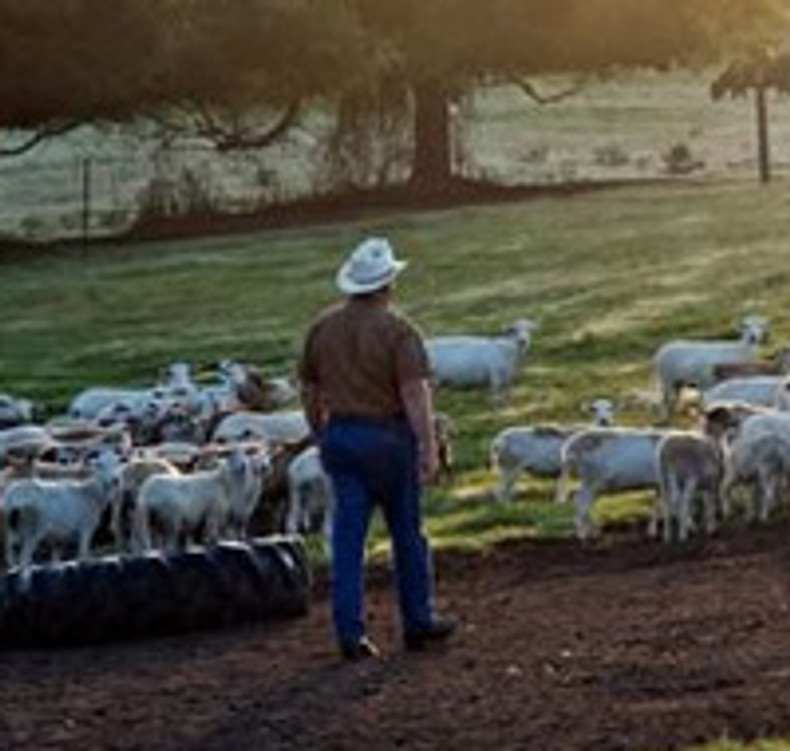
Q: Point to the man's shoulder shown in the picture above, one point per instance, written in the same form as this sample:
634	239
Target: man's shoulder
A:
403	322
327	314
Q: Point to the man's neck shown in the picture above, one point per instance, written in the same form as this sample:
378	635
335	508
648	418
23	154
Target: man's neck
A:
378	299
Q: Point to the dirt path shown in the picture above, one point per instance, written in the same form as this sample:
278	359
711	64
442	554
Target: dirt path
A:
623	644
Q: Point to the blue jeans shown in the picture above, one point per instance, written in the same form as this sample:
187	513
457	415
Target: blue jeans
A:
373	462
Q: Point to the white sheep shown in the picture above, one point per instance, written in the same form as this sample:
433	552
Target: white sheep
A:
242	504
131	477
759	454
273	427
607	460
184	505
252	390
481	360
765	390
778	365
688	464
536	449
681	363
310	494
15	411
57	511
24	440
89	403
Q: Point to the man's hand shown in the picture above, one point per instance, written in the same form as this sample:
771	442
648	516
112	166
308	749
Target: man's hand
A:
429	465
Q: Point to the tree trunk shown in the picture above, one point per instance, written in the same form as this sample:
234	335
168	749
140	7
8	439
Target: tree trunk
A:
431	170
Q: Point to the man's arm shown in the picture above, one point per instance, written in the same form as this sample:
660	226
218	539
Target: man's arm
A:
418	402
313	405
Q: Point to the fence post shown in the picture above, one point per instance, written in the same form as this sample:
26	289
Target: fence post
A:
86	199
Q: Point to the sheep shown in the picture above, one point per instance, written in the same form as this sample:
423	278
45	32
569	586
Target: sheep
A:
183	455
178	389
765	390
682	363
481	360
761	459
252	390
271	513
740	428
444	429
57	511
778	365
722	419
176	424
88	404
131	477
687	462
311	497
242	505
761	462
536	449
15	411
24	440
186	504
606	460
273	427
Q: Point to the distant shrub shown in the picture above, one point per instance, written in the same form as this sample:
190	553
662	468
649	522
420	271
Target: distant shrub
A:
610	155
680	161
536	155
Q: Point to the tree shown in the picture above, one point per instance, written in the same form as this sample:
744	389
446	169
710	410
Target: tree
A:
239	71
763	70
196	65
428	52
70	62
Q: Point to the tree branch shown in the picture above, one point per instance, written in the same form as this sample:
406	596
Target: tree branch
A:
225	130
39	136
530	90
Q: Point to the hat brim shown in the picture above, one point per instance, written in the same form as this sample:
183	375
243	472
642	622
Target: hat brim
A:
349	286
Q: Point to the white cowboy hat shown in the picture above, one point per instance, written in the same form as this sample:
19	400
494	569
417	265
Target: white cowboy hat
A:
371	266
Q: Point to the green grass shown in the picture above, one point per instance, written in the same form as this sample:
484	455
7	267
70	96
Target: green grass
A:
762	745
609	276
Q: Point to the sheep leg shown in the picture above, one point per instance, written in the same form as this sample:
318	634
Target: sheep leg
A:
725	492
668	399
29	546
115	524
652	524
563	481
11	544
295	513
585	497
142	529
767	496
670	493
507	482
500	393
84	550
684	507
709	501
213	524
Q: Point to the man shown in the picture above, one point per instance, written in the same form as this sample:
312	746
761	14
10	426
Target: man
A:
364	386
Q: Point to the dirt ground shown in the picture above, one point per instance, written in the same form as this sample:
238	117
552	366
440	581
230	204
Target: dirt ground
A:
618	644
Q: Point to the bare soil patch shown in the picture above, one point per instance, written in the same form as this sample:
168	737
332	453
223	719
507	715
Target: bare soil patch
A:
619	644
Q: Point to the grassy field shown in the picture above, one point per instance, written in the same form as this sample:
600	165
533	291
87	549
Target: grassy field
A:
608	275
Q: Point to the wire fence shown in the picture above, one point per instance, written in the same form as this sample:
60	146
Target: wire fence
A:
94	184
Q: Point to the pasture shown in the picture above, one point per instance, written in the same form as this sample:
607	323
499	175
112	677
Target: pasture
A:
620	644
608	275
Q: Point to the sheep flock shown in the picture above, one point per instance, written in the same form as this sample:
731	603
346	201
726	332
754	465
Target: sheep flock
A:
190	460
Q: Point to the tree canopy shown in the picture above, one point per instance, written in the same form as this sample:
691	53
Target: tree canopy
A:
208	64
